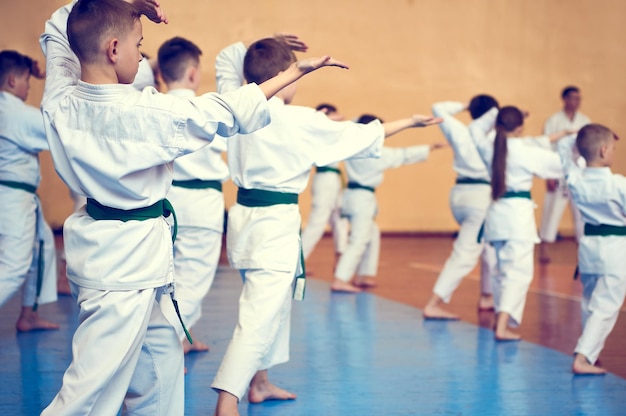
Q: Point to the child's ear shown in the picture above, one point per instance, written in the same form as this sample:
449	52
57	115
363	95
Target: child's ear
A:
192	75
603	151
111	50
11	80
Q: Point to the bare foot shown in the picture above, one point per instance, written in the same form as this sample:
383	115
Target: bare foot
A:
344	287
485	303
507	335
582	366
226	404
436	312
365	282
197	346
502	330
263	391
29	320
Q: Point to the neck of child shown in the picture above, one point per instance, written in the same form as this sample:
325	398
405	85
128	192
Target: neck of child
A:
597	163
180	85
98	75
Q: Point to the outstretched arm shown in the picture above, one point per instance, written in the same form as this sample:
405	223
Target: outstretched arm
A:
229	67
555	137
416	120
296	71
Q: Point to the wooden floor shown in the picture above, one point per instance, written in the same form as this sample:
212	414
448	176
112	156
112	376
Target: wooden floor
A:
410	264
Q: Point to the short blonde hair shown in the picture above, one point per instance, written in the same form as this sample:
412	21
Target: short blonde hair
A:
91	21
591	138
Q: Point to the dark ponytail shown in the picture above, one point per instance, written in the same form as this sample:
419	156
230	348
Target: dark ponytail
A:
509	118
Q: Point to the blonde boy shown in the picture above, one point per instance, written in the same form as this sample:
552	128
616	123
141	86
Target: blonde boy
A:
600	195
115	145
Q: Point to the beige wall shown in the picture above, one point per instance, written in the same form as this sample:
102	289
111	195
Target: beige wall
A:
404	55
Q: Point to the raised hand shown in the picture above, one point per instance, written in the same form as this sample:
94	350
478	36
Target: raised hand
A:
37	72
292	41
423	121
151	9
311	64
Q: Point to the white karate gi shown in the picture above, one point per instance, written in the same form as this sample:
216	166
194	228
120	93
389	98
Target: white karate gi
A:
360	207
143	79
469	204
600	196
116	145
510	223
200	214
23	226
326	192
554	202
264	242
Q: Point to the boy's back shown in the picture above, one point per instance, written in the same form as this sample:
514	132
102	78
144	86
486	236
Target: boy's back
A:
279	158
600	195
115	145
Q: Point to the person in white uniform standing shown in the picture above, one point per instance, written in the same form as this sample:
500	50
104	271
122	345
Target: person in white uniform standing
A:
600	195
115	145
196	194
271	168
27	247
510	223
469	200
326	189
360	207
557	195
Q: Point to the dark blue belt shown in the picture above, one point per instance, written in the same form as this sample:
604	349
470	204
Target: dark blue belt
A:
322	169
260	198
604	230
471	181
354	185
198	184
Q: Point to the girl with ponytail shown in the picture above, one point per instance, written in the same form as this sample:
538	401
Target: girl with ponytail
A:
510	226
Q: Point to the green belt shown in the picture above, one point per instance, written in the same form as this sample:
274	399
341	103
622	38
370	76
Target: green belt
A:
163	208
20	185
260	198
601	230
604	230
322	169
516	194
199	184
508	194
40	261
354	185
471	181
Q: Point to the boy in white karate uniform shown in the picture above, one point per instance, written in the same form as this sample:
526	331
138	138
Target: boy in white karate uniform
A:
196	194
557	195
271	167
510	227
359	205
469	200
27	249
600	195
326	190
116	145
